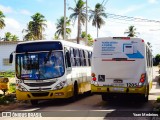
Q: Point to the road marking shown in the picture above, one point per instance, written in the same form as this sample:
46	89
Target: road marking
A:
33	109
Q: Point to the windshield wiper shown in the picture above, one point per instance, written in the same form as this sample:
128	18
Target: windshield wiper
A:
49	54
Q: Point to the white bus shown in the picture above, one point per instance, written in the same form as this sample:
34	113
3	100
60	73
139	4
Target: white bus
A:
47	69
121	66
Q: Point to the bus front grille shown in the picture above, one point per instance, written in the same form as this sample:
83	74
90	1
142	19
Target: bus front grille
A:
39	84
40	94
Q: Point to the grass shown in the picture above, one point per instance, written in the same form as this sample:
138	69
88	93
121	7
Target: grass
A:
7	74
7	99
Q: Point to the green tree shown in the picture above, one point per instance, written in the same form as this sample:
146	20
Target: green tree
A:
29	33
157	59
2	24
14	38
131	31
60	27
78	13
97	16
8	36
83	34
90	40
89	37
35	28
55	37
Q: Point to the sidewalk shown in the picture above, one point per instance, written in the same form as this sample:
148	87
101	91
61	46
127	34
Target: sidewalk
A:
155	91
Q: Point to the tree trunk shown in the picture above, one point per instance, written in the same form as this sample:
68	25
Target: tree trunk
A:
79	26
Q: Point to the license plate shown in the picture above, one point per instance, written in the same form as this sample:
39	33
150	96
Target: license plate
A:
118	89
117	81
118	84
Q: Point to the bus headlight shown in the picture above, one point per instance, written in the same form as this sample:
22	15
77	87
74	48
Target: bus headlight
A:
60	85
21	88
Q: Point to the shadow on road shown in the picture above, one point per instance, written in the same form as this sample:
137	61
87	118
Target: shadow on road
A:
55	102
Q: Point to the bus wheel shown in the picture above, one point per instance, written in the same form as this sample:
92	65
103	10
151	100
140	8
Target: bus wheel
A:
34	102
145	98
75	93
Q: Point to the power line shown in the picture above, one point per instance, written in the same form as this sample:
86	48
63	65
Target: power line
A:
128	23
127	18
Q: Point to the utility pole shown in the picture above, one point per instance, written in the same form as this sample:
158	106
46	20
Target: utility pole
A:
64	36
86	22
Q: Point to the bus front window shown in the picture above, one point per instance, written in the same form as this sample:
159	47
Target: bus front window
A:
40	66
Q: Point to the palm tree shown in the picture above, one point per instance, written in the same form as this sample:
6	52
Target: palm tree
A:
60	27
35	27
149	44
55	37
38	25
97	15
131	31
14	38
8	36
78	12
29	32
2	24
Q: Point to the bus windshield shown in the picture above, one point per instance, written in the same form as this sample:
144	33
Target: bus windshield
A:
39	66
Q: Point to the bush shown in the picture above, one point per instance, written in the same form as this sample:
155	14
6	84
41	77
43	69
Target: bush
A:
7	99
12	87
7	74
158	100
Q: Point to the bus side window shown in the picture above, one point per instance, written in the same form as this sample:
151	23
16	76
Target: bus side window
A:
67	57
80	62
81	58
72	56
89	58
76	55
84	58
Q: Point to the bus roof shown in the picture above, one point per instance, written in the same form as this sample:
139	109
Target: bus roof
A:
65	43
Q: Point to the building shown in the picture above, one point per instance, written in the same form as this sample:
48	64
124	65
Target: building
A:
6	48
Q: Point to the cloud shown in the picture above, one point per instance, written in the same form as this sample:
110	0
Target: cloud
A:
12	23
130	9
50	30
115	27
6	9
25	12
152	1
12	26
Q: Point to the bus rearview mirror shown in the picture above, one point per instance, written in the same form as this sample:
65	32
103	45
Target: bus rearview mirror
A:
11	58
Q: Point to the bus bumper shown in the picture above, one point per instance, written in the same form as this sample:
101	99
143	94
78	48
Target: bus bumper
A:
104	89
65	92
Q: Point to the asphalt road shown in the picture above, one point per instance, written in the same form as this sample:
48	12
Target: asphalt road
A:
92	107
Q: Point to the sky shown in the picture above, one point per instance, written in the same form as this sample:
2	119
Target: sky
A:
18	13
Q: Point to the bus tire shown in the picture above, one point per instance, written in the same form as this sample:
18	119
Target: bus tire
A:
145	98
34	102
75	93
